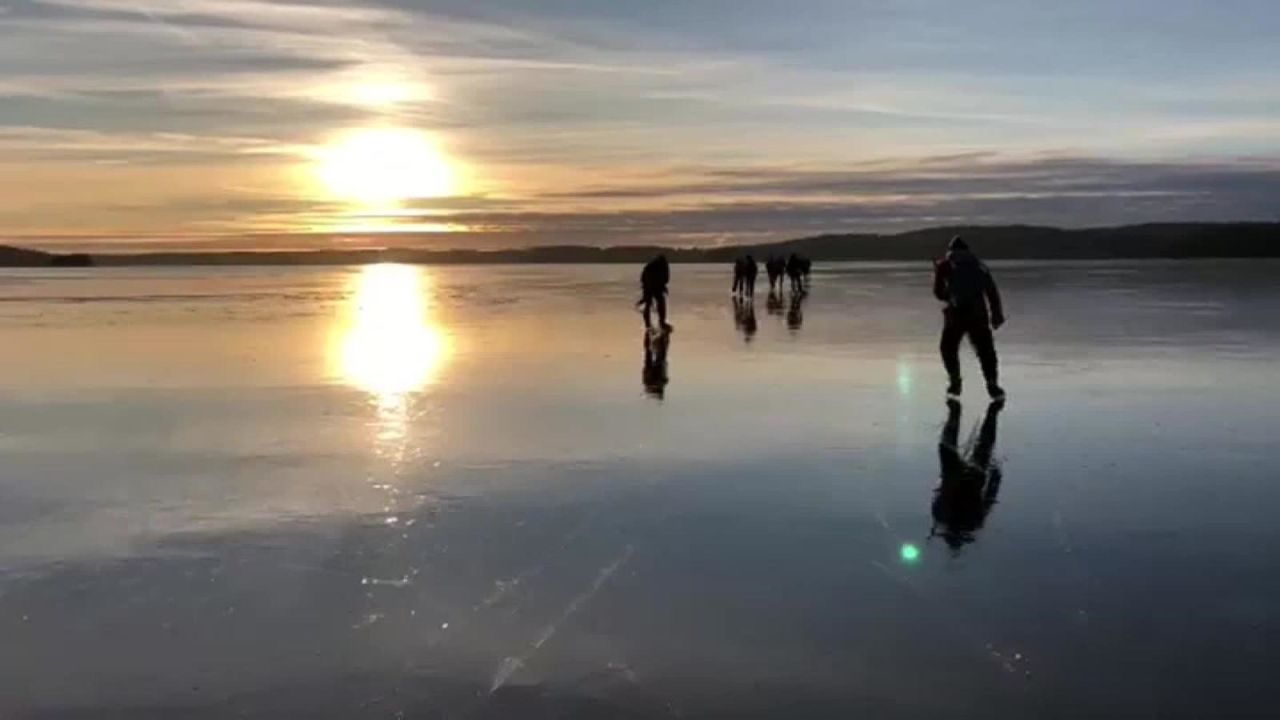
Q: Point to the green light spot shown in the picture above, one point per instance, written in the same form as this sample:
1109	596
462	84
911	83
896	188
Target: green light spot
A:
904	378
910	553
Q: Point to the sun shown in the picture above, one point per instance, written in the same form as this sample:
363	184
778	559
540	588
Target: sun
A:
379	166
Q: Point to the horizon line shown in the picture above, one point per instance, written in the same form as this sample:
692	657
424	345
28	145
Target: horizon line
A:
24	242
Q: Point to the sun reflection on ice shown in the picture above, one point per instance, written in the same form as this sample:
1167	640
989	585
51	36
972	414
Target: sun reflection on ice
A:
391	347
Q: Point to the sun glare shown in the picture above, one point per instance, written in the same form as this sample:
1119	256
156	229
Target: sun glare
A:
381	94
385	166
391	346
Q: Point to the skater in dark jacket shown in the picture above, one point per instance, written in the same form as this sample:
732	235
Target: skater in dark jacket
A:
744	276
777	268
798	268
973	308
653	290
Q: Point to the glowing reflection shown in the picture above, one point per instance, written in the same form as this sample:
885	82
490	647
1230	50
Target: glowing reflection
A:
904	378
909	553
391	347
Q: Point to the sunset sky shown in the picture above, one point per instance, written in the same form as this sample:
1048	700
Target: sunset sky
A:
134	124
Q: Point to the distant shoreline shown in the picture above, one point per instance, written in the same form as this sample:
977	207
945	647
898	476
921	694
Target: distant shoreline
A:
996	242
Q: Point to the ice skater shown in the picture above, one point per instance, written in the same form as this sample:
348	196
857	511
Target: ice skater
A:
744	276
973	308
653	288
776	267
749	272
798	268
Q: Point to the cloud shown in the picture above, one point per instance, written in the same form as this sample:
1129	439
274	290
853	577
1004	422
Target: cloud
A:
1063	191
605	123
971	175
754	204
34	144
261	13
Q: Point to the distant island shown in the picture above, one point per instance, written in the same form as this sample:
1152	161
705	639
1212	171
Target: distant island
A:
22	257
1023	242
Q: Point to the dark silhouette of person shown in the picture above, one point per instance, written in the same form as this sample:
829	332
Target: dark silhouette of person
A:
969	482
795	311
798	270
744	317
776	267
654	374
973	308
653	289
744	276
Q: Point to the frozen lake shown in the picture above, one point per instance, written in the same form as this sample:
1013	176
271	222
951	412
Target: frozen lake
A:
459	492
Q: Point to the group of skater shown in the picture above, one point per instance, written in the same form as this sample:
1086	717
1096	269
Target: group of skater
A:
795	267
972	306
969	477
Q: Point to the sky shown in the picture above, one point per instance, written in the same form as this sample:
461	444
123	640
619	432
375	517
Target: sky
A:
219	124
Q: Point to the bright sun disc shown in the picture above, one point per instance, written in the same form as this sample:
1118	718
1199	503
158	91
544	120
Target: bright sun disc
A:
385	165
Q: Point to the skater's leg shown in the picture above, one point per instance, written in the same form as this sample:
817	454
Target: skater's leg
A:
949	347
985	345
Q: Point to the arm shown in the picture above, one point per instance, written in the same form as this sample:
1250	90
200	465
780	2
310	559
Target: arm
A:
940	279
993	299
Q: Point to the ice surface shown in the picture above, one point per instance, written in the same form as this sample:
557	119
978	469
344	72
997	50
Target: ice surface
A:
340	492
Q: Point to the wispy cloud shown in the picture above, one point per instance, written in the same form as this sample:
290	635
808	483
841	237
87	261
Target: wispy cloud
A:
693	120
763	204
31	143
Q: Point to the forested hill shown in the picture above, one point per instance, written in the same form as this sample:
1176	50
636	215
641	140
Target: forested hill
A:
1170	240
1183	240
22	257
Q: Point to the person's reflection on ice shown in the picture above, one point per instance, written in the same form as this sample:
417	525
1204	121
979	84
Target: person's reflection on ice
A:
969	479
